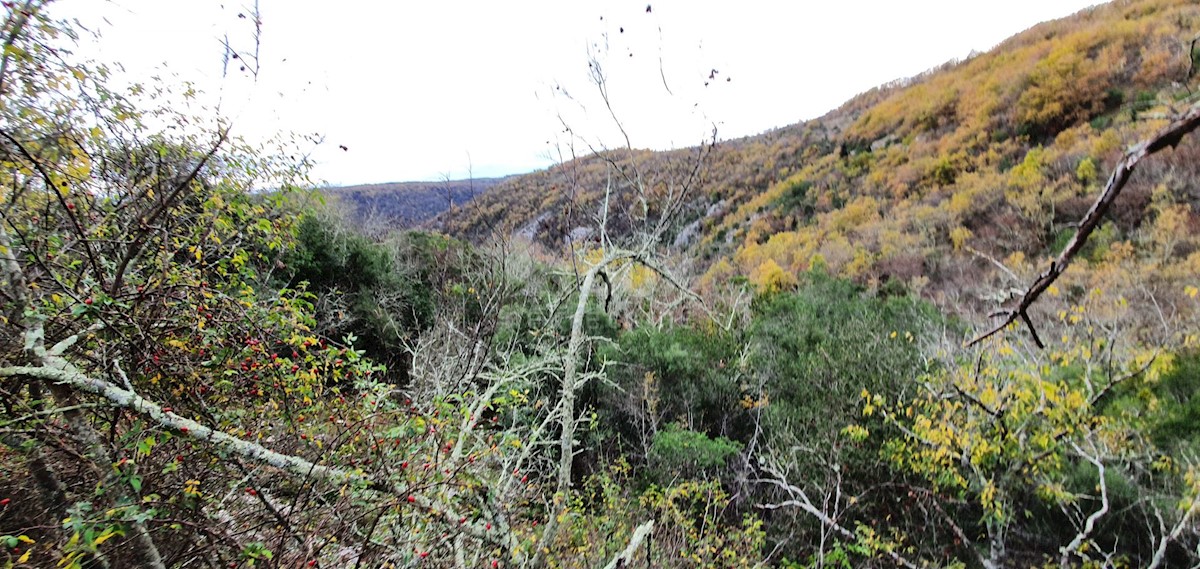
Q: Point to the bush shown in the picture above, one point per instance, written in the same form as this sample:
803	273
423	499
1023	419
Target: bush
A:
680	453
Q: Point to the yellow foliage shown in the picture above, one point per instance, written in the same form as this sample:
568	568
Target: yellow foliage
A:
770	277
959	236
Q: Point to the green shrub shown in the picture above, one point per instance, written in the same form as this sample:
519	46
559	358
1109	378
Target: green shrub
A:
679	452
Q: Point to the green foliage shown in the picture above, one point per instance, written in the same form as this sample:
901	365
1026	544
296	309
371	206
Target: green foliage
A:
384	293
1176	423
330	259
695	525
151	256
677	374
816	348
683	453
794	197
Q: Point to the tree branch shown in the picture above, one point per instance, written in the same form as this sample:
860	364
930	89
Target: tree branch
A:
1090	524
1167	137
291	465
625	558
800	500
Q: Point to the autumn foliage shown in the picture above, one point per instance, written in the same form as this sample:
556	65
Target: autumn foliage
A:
725	356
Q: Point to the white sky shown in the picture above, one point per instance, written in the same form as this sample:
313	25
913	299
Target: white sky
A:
451	88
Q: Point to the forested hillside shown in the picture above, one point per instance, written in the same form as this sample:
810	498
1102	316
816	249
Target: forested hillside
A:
406	204
999	153
915	332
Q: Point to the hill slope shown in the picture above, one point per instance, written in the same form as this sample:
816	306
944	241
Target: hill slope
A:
935	180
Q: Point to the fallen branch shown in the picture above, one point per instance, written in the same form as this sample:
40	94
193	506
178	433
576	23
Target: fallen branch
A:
1167	137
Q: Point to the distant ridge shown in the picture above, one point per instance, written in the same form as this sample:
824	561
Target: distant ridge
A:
407	204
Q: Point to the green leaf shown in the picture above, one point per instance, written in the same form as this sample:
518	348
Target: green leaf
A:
146	446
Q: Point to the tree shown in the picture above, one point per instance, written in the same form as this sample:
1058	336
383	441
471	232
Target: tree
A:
630	196
171	405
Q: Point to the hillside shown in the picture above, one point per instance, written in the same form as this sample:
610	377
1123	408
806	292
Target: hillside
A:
998	154
823	346
406	204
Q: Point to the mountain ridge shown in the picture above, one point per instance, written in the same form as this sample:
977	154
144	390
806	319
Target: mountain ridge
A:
407	204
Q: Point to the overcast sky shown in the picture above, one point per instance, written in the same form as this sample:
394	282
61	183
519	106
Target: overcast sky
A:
434	89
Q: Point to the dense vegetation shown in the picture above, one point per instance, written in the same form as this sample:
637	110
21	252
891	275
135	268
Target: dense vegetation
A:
736	355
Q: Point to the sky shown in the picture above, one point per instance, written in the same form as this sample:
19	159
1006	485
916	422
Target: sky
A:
449	89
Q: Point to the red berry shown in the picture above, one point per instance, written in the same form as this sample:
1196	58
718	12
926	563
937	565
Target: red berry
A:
183	430
252	491
88	301
5	501
412	499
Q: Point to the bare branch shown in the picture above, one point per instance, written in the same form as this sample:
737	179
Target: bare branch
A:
801	500
1160	553
1090	524
625	558
1167	137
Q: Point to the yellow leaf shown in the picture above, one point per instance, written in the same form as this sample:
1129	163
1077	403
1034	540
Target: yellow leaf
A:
103	537
25	556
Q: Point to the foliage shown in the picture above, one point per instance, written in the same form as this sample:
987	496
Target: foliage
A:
406	204
1175	423
192	372
694	524
384	293
681	374
816	348
1009	432
683	453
